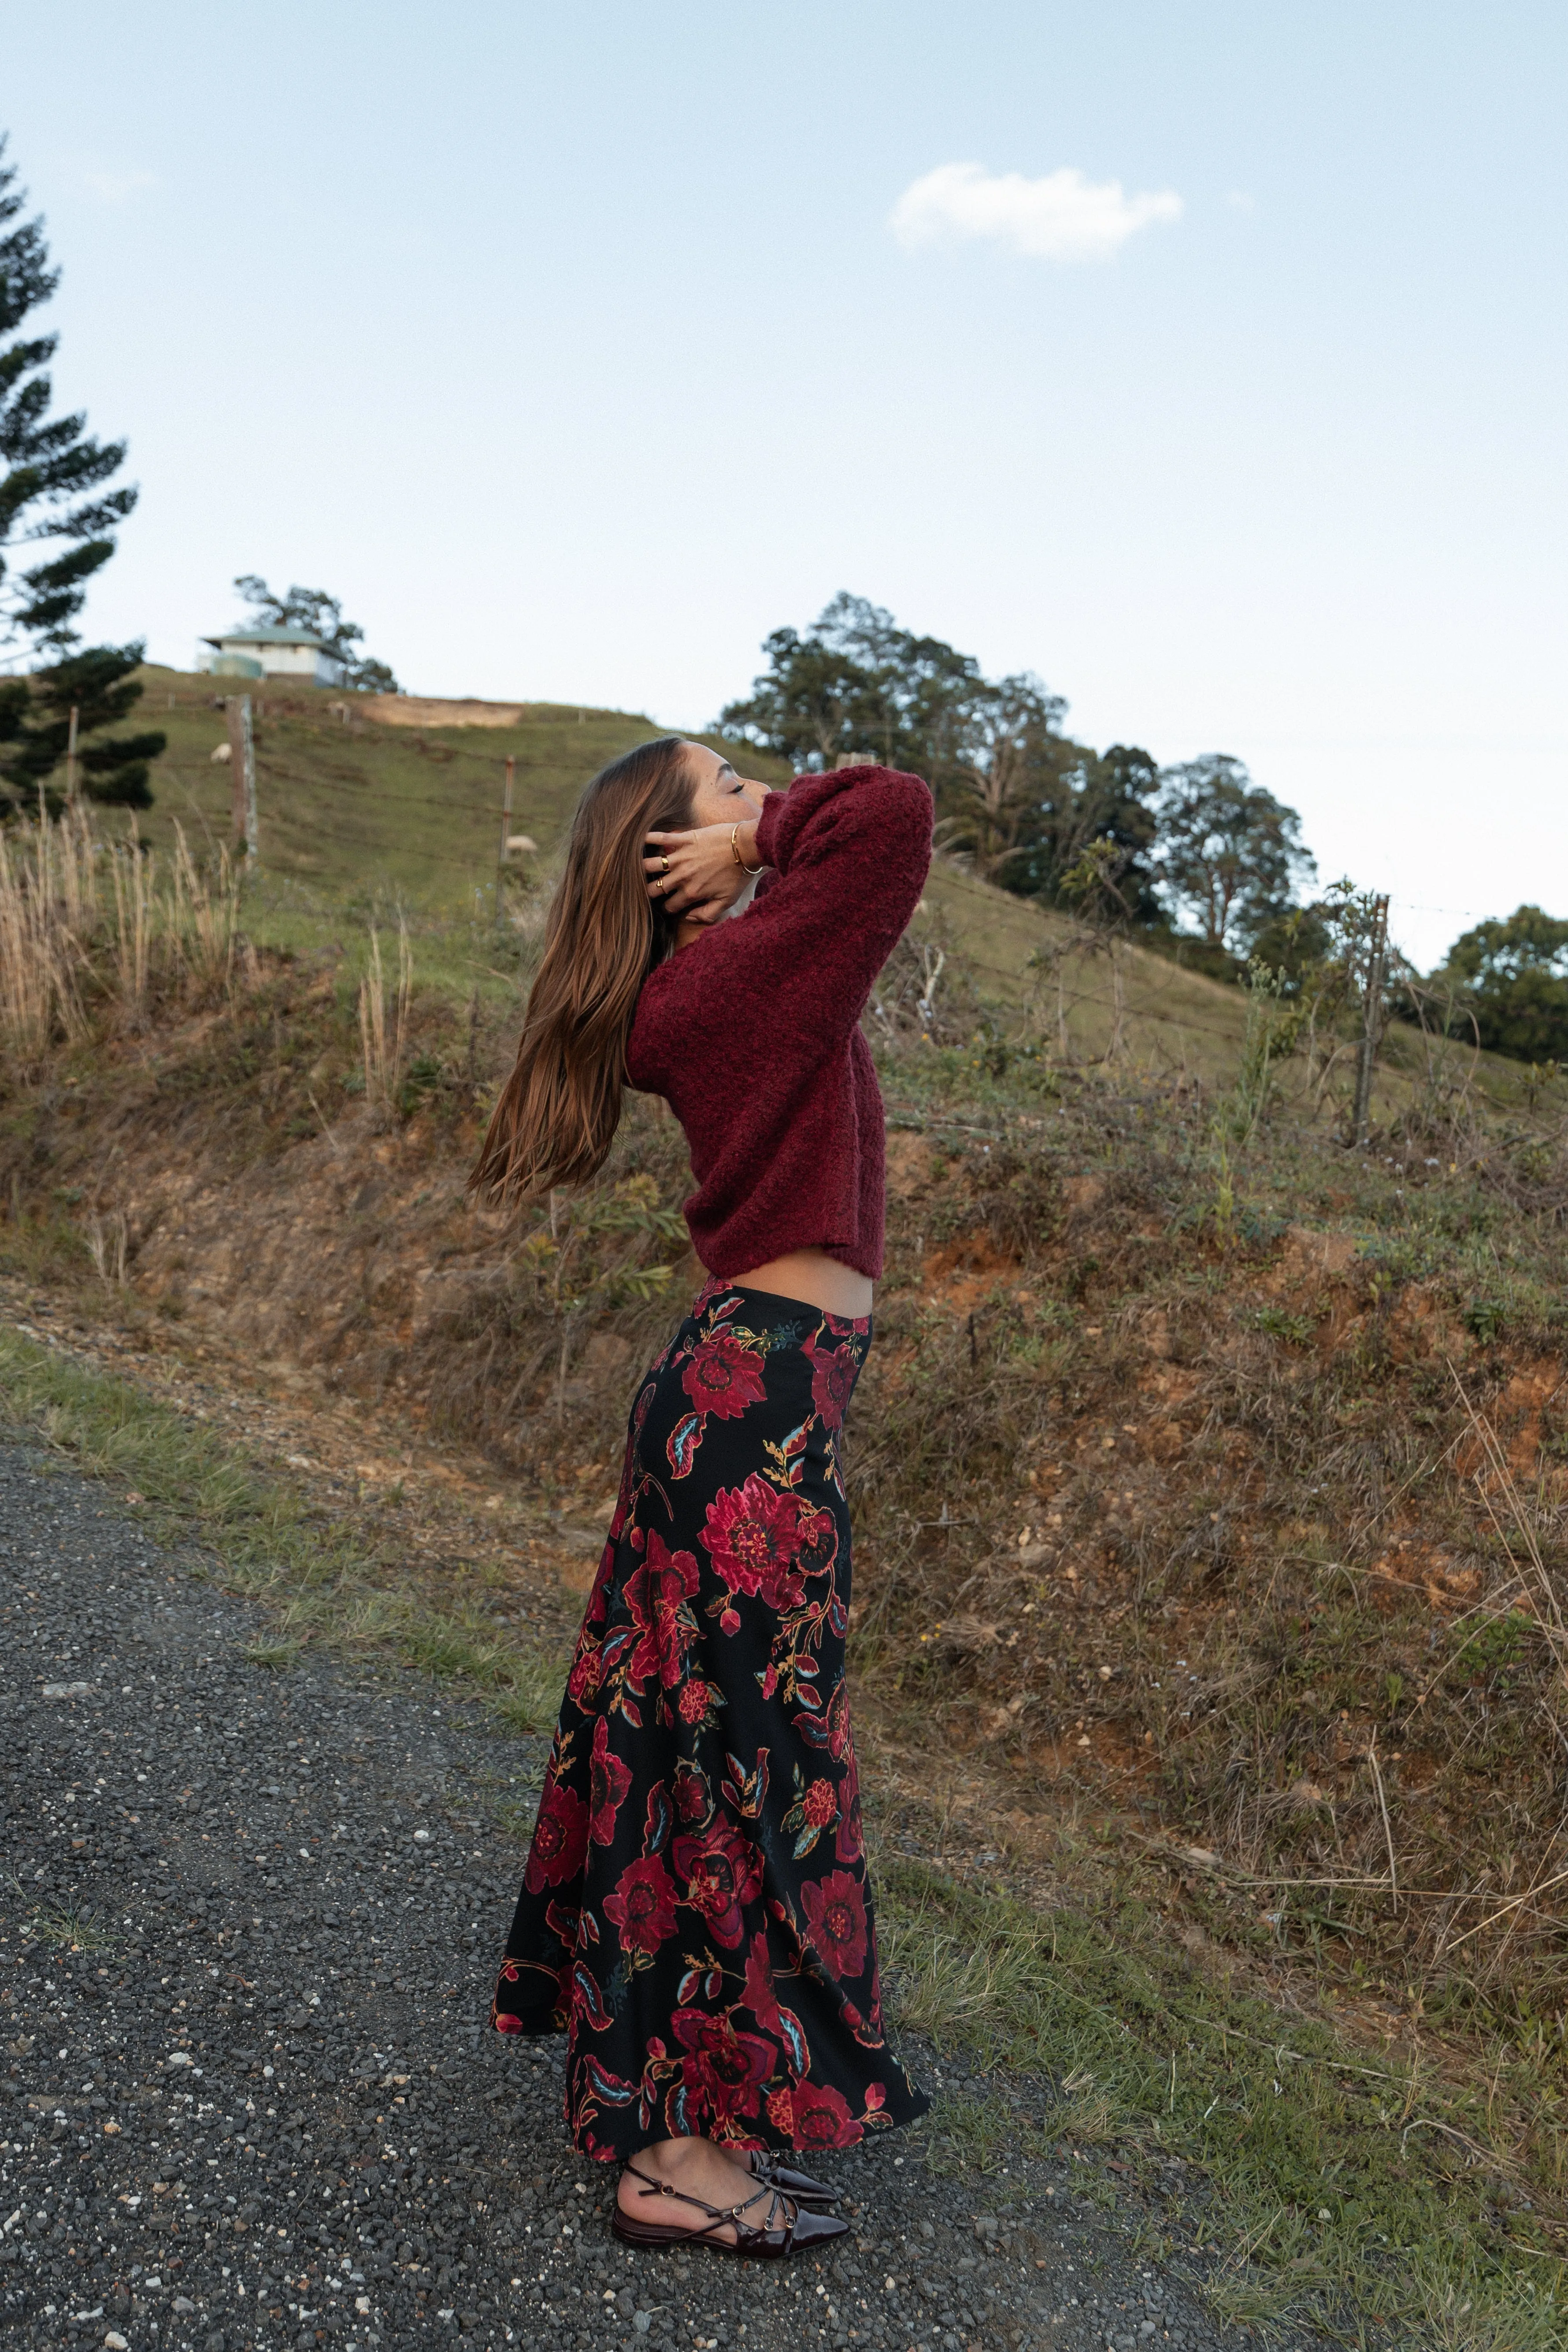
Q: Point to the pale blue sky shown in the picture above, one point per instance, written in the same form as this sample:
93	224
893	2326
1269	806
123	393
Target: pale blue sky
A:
574	349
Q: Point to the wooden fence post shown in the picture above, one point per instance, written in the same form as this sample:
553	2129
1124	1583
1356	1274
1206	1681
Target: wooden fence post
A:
242	778
70	754
505	838
1372	1020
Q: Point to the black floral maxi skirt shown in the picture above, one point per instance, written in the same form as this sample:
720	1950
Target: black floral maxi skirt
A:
694	1914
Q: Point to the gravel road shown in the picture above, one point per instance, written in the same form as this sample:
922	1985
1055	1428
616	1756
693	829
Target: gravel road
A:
248	1922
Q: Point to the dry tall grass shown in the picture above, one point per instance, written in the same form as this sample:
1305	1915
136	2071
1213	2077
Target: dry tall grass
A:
382	1045
83	916
47	899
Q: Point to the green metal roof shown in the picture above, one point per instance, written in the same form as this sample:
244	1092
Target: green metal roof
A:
265	636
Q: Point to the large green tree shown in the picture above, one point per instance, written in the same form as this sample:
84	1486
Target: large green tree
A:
1231	855
55	508
1093	835
1011	790
854	681
1513	976
313	609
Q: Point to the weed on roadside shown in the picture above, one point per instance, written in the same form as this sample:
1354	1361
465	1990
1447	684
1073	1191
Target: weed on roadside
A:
316	1581
60	1929
276	1656
1331	2206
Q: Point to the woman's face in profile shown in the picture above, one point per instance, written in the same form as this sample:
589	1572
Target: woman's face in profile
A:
719	796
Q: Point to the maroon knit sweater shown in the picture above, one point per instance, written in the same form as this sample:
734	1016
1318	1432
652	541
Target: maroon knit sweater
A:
753	1034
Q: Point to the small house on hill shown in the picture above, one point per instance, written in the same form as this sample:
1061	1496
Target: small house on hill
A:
272	653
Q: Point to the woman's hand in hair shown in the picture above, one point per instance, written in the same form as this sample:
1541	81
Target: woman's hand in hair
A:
695	873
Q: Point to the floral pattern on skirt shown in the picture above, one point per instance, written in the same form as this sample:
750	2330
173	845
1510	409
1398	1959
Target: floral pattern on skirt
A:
694	1914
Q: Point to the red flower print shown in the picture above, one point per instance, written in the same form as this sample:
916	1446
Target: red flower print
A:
718	1874
725	2069
504	2002
848	1844
761	1996
584	1679
560	1838
562	1920
766	1543
830	1730
822	2117
833	1371
692	1703
724	1376
819	1806
656	1592
598	1597
781	2112
875	2096
643	1906
608	1780
836	1923
693	1797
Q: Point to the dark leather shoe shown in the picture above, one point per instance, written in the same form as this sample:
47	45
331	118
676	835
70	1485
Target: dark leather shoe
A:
799	2185
787	2227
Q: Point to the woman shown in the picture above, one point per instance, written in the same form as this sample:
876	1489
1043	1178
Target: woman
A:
695	1913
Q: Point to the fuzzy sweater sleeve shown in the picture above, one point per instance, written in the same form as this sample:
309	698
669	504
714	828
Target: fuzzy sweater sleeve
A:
849	853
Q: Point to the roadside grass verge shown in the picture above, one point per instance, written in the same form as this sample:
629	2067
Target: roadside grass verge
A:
1424	2239
316	1580
1375	2202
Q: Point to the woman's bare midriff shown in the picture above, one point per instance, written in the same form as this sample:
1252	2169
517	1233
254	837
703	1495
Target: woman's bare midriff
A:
812	1276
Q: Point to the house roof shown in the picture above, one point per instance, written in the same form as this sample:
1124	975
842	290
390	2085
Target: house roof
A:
265	637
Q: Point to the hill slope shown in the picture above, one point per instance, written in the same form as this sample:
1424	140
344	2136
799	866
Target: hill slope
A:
349	801
365	805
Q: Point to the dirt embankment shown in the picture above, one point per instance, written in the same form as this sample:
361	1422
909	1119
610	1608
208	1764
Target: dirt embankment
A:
1219	1502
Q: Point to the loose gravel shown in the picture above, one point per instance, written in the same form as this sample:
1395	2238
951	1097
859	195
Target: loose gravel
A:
249	1918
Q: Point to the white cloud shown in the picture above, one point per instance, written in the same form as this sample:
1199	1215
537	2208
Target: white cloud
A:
1064	216
118	187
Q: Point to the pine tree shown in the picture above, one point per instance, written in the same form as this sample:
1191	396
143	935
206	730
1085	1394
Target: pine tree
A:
111	769
53	499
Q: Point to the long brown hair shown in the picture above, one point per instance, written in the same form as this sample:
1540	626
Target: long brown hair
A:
559	1109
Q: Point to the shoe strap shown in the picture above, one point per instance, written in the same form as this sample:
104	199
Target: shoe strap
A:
719	2214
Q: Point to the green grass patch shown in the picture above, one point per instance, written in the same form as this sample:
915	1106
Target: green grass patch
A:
317	1581
276	1656
1362	2199
59	1928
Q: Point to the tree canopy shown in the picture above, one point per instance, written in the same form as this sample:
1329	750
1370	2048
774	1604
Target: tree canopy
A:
53	501
52	495
313	609
1011	790
1513	976
1231	855
98	685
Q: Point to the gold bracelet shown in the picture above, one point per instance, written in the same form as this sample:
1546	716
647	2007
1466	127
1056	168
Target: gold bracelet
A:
736	853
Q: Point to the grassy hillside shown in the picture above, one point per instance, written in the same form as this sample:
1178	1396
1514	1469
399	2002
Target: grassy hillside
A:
364	812
350	805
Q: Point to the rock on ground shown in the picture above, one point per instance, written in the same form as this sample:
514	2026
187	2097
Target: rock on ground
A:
249	1916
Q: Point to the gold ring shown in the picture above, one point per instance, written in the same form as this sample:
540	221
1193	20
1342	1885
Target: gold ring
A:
664	865
661	887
